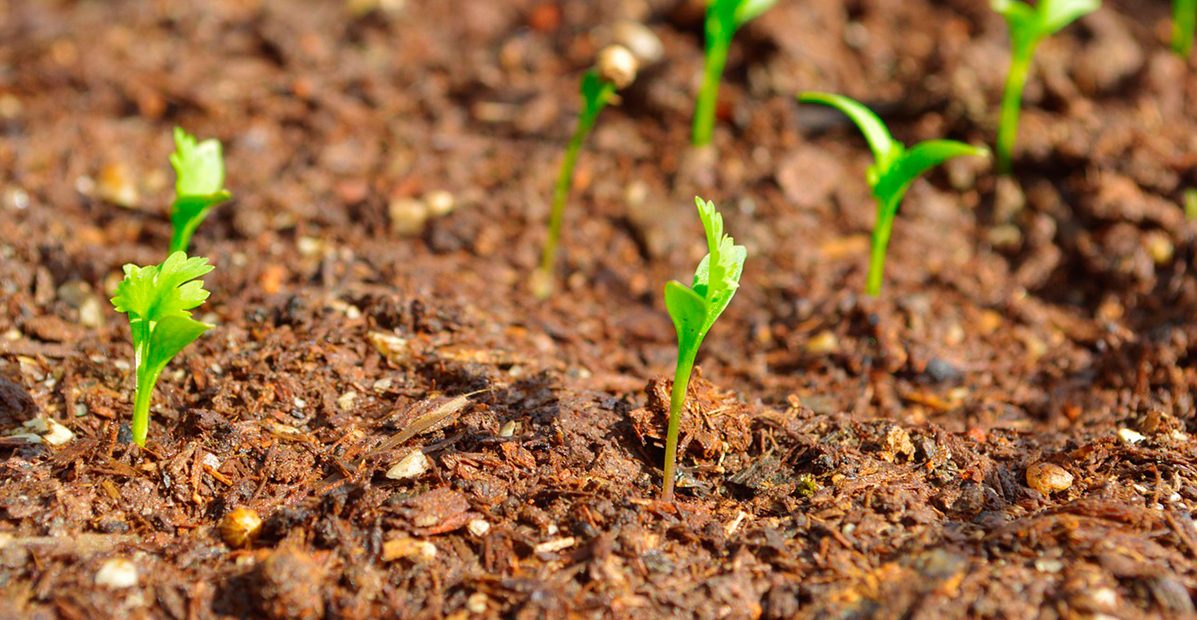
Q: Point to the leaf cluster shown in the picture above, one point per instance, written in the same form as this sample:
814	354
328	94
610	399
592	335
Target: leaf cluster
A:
895	167
158	300
199	167
1030	25
695	308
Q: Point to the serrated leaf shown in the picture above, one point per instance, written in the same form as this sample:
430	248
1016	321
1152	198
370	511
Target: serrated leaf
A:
885	149
155	292
199	166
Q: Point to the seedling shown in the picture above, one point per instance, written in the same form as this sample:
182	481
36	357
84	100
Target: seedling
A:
1191	204
1028	26
724	17
694	310
199	187
157	299
615	70
895	167
1184	22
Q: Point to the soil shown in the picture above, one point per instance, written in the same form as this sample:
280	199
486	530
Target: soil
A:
844	456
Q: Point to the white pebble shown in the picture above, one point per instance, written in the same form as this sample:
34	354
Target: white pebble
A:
117	573
479	527
1129	436
411	466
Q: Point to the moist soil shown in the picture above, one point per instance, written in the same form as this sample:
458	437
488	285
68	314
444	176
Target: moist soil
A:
842	455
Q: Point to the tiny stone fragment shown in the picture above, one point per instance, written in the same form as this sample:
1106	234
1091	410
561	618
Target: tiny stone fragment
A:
1048	478
478	527
413	465
408	216
117	573
408	548
1129	436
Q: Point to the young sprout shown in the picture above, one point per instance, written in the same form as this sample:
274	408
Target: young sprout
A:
615	70
1028	26
694	310
1184	22
157	299
199	187
724	17
895	167
1191	204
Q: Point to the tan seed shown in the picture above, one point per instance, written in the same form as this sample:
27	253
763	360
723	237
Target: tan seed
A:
1048	478
240	527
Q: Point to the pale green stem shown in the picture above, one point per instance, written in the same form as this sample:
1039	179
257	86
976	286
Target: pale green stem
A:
677	399
145	383
882	229
1016	81
561	190
183	229
708	95
1184	21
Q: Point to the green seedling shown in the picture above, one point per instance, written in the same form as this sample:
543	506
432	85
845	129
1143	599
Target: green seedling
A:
694	310
723	18
615	70
157	299
1191	204
895	167
199	187
1028	26
1184	22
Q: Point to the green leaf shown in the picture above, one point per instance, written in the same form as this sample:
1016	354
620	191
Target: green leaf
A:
718	275
155	292
885	149
750	9
921	158
688	311
1054	15
170	336
199	166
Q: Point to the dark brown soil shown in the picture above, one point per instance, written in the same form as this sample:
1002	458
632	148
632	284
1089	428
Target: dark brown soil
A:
844	456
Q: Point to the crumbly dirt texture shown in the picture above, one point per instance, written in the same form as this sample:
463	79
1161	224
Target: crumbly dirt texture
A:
1005	431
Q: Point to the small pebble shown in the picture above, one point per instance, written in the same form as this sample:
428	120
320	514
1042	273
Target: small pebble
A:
346	400
477	603
1048	478
1129	436
117	573
822	342
941	370
478	527
408	548
411	466
440	203
408	216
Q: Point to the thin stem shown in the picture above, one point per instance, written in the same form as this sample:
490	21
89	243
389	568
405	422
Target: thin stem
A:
882	229
145	382
708	95
182	230
1184	21
1016	81
543	280
677	399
